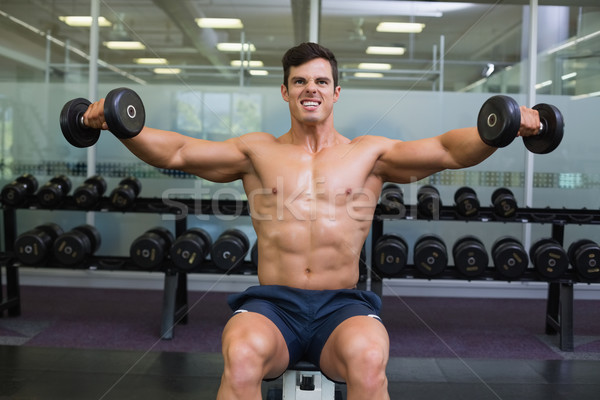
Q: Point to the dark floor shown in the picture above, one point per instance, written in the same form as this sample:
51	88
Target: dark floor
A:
79	344
62	374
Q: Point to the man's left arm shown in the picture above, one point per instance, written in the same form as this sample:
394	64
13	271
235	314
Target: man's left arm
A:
404	162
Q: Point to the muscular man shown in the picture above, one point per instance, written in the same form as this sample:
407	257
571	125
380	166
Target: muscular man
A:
312	193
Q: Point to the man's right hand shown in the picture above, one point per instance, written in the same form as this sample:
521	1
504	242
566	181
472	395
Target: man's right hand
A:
94	116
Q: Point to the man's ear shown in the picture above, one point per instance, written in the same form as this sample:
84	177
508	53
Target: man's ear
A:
284	93
336	93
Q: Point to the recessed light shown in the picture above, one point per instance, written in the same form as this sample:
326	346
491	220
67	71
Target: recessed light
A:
368	75
220	23
385	50
83	20
252	63
400	27
167	71
124	45
259	72
375	66
235	47
151	61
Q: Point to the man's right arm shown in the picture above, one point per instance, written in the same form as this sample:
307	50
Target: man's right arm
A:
215	161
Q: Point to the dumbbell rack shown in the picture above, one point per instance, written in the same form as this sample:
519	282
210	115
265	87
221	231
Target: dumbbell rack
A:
559	302
175	293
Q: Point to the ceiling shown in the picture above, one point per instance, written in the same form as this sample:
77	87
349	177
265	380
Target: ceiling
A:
474	34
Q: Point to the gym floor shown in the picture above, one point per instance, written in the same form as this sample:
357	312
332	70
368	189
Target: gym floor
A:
53	373
94	344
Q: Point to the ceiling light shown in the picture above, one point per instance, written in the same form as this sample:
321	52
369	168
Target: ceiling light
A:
375	66
253	63
400	27
151	61
258	72
543	84
167	71
124	45
220	23
568	76
83	20
368	75
383	50
235	47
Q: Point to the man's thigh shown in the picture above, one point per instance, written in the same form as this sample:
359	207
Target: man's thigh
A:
255	332
348	341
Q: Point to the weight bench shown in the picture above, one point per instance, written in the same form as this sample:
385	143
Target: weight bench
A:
304	381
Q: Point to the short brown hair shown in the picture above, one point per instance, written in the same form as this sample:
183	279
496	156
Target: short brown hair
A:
305	52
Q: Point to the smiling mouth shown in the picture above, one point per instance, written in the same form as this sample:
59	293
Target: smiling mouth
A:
309	103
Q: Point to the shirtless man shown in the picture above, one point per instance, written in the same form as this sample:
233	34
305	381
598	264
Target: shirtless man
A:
312	193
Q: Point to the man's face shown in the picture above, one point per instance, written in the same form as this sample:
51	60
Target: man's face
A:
311	92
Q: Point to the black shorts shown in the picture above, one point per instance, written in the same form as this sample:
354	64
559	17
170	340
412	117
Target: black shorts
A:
305	318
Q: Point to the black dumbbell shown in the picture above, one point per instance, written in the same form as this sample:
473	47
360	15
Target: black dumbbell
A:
430	255
510	257
392	200
89	193
74	247
123	111
584	255
429	202
123	196
467	203
35	246
504	203
390	255
149	250
15	193
499	121
470	257
549	258
54	191
190	249
229	249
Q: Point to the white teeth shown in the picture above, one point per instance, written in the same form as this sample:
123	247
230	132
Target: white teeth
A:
310	103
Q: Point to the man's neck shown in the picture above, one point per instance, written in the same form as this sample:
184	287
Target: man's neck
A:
313	138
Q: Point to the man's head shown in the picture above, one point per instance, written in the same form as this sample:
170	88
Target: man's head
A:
306	52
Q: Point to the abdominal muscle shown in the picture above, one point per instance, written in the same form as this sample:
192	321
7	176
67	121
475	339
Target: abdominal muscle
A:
308	250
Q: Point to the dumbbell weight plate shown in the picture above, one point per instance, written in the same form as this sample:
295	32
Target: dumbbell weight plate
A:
504	203
33	247
14	194
229	249
510	258
392	200
150	249
498	121
72	248
190	249
549	258
430	255
470	257
584	255
429	202
71	125
551	135
391	253
124	113
467	203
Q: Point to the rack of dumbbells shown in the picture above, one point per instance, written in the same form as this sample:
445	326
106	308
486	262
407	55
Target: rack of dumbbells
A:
155	250
547	260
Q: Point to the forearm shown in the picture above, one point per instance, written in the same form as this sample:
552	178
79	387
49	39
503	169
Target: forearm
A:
464	148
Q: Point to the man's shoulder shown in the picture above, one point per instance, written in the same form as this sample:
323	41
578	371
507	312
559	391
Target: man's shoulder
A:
371	140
